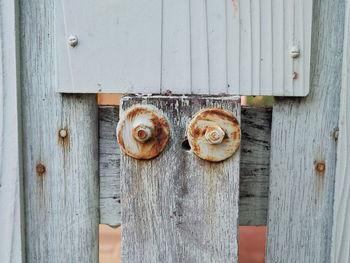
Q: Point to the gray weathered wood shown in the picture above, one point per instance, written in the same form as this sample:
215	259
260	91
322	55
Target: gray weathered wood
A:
301	193
61	189
10	211
341	216
254	166
177	207
109	158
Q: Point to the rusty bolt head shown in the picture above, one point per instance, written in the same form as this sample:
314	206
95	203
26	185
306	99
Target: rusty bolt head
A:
208	140
214	134
63	133
40	169
72	40
142	133
294	52
320	167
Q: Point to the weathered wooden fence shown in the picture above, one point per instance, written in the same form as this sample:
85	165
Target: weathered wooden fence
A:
61	169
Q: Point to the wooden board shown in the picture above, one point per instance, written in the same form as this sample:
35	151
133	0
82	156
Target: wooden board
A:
61	184
186	47
177	207
341	216
11	248
303	151
254	166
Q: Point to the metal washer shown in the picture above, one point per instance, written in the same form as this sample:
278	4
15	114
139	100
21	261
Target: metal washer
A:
205	120
129	125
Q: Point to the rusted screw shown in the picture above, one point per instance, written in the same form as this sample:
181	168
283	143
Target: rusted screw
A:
214	134
63	133
40	169
320	167
142	133
72	40
294	52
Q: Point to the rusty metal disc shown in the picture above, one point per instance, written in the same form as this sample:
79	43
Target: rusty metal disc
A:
214	134
143	132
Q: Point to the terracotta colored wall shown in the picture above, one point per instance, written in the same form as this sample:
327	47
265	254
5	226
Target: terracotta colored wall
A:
251	244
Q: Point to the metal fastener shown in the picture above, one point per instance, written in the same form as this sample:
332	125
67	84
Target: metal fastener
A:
294	75
40	169
336	134
143	132
63	133
294	52
214	134
73	40
320	167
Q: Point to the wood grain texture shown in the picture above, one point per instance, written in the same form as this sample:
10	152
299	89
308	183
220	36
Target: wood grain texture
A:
301	191
109	166
11	248
340	252
177	207
61	189
187	47
254	166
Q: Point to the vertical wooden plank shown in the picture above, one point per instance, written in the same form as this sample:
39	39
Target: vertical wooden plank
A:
11	248
256	45
177	207
305	36
176	47
61	189
245	61
199	47
288	42
278	55
217	46
267	48
233	33
341	216
303	151
109	166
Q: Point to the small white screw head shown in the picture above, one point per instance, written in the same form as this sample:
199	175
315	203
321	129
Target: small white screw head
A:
214	134
63	133
142	133
294	52
72	40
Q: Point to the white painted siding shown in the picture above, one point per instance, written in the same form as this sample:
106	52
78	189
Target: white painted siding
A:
198	46
10	211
